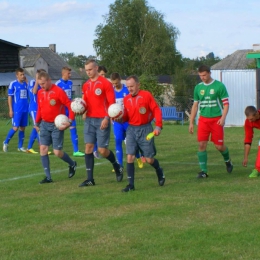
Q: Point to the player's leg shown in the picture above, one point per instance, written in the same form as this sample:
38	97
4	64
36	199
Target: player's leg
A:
46	141
15	124
57	144
256	170
103	138
75	140
90	140
149	150
131	147
33	135
217	137
95	151
203	137
119	135
21	132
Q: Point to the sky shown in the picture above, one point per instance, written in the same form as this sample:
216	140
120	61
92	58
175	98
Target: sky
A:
217	26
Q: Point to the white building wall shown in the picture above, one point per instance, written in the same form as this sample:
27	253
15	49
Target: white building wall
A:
241	87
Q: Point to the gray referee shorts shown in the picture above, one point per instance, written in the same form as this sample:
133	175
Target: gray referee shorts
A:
93	133
136	139
51	135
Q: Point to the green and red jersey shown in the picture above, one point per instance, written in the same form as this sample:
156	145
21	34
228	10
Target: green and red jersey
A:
212	97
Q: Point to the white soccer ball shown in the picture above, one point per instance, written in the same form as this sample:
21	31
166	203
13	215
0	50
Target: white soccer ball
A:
115	111
78	106
60	119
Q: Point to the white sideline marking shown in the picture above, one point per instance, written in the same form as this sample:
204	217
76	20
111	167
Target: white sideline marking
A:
96	164
42	173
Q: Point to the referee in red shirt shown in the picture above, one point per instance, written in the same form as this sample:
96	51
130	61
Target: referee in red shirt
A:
51	102
140	108
98	94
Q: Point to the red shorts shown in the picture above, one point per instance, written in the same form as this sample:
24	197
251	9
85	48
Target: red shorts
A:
209	127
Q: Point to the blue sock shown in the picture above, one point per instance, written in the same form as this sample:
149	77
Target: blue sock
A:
46	165
33	136
95	147
67	159
74	139
137	155
20	138
9	135
119	151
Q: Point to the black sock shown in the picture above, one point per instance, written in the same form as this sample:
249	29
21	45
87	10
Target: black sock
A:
130	167
67	159
155	164
157	167
89	161
111	157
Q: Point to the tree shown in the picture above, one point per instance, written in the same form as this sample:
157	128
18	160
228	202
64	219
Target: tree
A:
151	83
135	39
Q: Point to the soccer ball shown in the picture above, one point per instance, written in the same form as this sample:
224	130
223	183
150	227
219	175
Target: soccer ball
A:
78	106
60	119
115	111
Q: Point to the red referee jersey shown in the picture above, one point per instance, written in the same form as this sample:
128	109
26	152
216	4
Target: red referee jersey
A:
98	95
142	109
51	103
249	129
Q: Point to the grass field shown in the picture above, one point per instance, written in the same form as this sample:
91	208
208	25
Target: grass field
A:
213	218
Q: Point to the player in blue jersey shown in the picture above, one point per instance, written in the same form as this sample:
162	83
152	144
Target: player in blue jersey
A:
18	109
66	84
120	128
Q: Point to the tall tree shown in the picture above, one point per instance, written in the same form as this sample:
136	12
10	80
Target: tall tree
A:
135	39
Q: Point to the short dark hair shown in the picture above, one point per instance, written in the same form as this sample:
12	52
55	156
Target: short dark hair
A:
203	68
134	77
250	111
100	68
19	70
115	75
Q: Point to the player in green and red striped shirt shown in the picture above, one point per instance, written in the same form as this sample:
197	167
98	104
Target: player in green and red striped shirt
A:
211	98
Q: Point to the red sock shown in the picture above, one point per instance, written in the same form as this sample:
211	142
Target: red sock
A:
257	162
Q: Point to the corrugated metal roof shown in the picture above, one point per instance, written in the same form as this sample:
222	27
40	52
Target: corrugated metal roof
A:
7	77
54	61
235	61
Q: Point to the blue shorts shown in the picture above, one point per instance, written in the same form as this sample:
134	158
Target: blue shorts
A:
50	134
136	139
20	119
93	133
120	130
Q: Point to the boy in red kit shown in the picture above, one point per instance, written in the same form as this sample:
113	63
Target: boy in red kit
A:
252	121
51	102
98	94
140	108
